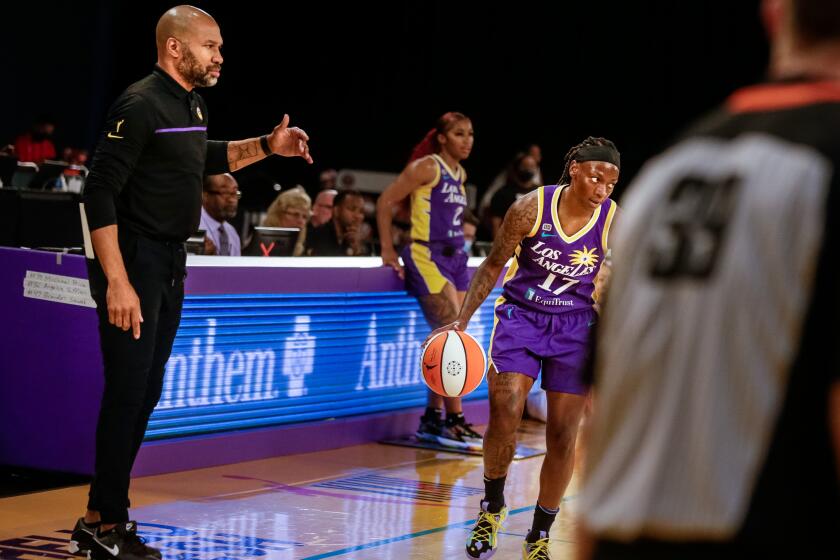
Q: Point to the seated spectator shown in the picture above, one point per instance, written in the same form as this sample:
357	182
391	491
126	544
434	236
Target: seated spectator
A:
75	156
36	145
322	208
291	209
74	176
219	203
328	180
343	234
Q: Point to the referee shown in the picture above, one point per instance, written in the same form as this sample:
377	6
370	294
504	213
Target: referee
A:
143	200
716	428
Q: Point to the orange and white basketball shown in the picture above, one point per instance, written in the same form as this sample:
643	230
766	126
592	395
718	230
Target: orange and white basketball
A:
453	364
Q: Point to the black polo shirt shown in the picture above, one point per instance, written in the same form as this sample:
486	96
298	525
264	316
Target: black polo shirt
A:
322	241
148	168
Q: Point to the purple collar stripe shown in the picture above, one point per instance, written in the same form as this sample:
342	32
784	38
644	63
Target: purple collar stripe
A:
187	129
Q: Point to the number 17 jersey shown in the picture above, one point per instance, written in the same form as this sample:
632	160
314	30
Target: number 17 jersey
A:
553	272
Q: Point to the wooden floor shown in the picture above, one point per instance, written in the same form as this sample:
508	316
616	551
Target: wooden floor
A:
365	502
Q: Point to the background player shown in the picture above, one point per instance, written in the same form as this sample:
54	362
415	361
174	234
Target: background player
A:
435	260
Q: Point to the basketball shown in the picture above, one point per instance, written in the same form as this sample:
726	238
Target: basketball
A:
453	364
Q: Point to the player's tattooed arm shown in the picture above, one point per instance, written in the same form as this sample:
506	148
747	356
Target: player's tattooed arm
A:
518	223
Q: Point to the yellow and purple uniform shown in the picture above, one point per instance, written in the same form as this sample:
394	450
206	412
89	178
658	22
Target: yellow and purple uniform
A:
436	254
544	315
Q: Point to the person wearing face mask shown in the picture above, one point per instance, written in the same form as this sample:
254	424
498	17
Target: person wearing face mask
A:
36	145
483	210
521	179
470	230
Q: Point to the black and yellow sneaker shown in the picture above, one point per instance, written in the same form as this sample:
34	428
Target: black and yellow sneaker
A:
81	541
122	543
482	540
537	550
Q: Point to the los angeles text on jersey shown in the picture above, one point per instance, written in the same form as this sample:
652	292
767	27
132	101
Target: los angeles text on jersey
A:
455	194
547	259
582	264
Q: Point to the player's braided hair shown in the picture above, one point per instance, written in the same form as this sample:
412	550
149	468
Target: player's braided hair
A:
570	155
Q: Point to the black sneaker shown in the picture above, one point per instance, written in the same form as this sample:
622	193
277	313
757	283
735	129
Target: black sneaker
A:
451	436
122	543
429	429
465	431
81	541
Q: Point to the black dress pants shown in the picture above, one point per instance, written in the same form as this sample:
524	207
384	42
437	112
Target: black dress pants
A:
133	368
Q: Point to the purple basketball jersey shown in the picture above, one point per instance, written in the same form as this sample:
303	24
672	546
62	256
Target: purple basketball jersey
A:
437	208
553	272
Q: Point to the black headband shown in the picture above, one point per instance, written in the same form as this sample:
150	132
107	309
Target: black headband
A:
598	153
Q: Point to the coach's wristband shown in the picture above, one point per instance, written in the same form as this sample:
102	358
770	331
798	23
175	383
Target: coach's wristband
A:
264	144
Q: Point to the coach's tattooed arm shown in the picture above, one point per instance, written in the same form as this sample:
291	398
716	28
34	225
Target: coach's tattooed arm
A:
517	224
283	140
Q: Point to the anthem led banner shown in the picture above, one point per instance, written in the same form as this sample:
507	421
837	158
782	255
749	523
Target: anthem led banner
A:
244	361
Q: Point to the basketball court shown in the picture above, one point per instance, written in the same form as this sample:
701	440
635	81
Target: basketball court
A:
369	501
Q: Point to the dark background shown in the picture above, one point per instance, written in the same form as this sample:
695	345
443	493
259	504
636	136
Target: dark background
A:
366	81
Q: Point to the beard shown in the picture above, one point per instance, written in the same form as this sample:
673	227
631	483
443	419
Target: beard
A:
191	69
229	212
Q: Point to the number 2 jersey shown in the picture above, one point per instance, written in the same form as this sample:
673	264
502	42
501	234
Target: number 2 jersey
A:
553	272
437	208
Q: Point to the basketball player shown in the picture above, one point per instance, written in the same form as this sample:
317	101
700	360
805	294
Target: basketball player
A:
717	430
435	261
558	236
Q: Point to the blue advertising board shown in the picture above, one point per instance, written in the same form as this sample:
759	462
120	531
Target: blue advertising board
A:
255	360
